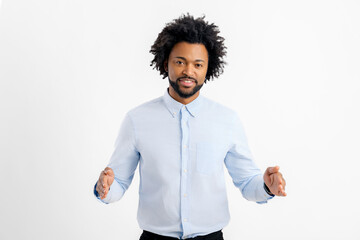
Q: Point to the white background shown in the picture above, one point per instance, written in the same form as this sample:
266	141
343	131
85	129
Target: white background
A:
71	69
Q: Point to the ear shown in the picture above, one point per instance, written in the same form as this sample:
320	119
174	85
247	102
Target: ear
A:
166	65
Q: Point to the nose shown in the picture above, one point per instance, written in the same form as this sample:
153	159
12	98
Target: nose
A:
189	70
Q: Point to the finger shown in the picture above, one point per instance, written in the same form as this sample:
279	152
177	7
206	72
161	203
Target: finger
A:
102	193
279	177
100	189
101	179
102	196
106	181
281	180
282	191
277	187
283	187
102	182
102	186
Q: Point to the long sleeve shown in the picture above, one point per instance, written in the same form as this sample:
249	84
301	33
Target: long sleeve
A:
245	174
181	151
123	161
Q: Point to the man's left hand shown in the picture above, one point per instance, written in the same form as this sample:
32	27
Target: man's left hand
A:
275	181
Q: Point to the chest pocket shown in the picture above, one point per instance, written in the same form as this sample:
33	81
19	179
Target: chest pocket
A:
208	158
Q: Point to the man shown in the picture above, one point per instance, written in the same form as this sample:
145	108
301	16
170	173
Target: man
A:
182	141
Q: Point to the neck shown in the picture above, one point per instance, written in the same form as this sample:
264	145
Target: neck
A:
184	101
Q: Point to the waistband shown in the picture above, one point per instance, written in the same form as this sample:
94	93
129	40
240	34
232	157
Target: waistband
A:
211	236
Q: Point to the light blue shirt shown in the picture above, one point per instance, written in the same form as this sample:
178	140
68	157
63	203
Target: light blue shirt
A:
181	151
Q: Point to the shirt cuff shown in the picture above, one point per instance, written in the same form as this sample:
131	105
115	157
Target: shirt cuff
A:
268	191
266	195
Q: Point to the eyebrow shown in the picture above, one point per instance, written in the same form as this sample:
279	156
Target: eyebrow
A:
197	60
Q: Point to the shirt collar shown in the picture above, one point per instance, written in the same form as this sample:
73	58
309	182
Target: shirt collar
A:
174	106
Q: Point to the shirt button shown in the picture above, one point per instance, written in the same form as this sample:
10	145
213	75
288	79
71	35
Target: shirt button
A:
185	195
185	219
185	170
185	146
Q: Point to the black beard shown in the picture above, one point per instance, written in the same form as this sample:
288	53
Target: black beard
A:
176	87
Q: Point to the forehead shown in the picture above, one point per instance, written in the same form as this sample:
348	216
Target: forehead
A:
190	51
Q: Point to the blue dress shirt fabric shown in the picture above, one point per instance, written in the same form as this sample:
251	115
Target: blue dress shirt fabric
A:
181	151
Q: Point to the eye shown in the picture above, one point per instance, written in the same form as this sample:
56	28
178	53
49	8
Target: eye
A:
198	65
179	62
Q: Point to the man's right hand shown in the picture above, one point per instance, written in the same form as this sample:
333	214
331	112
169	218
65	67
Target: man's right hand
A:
105	180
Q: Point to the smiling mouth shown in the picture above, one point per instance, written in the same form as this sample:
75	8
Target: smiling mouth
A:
186	82
185	79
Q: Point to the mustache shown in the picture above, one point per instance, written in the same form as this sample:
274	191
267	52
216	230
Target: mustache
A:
185	77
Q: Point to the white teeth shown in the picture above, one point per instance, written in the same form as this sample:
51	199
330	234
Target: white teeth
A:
187	81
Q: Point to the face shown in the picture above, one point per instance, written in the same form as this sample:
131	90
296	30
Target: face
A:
187	67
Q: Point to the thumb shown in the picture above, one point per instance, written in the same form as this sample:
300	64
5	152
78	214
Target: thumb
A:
272	170
108	171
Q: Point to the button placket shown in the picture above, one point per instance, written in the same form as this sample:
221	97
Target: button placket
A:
184	166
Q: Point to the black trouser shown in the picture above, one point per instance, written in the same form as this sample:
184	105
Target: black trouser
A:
152	236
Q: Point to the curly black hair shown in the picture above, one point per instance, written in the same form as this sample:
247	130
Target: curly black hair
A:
190	30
